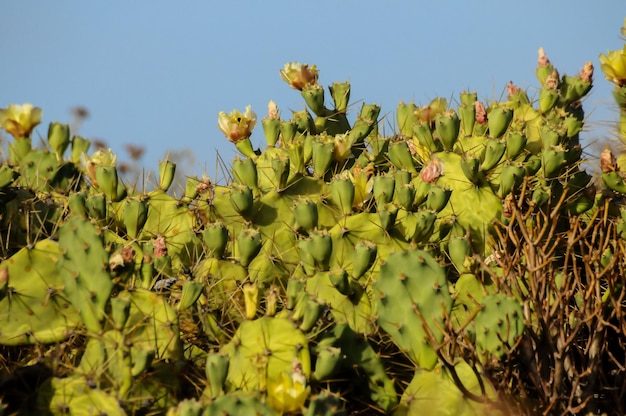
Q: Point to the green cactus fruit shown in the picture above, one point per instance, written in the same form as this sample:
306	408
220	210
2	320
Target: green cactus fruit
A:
553	161
58	138
548	98
215	237
550	138
511	178
467	114
499	323
271	131
107	181
304	121
305	214
438	198
532	165
190	294
322	157
245	172
540	196
515	144
459	250
341	282
494	150
216	370
400	155
423	226
295	287
248	245
573	125
384	187
404	195
447	126
33	308
340	93
328	359
421	191
311	311
306	258
471	170
242	200
403	177
97	206
280	168
263	349
342	193
574	88
580	205
167	170
413	300
424	136
363	258
83	266
499	119
80	145
135	215
614	181
288	130
387	214
314	99
321	248
405	117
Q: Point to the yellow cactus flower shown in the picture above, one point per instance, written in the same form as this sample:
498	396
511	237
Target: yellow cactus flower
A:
299	76
20	120
613	64
236	126
288	394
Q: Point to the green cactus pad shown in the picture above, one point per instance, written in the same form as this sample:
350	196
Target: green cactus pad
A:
413	300
33	307
262	350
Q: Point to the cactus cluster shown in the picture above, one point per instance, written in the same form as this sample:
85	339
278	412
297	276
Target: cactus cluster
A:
334	261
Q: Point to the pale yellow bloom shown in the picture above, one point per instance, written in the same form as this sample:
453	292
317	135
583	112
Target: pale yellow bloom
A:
288	394
20	120
299	76
614	66
236	126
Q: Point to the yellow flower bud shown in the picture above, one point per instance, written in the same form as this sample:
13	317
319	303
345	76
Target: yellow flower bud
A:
20	120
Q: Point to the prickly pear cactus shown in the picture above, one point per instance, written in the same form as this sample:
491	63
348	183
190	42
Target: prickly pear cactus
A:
335	258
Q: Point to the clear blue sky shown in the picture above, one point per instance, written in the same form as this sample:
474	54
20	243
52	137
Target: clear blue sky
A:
156	73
